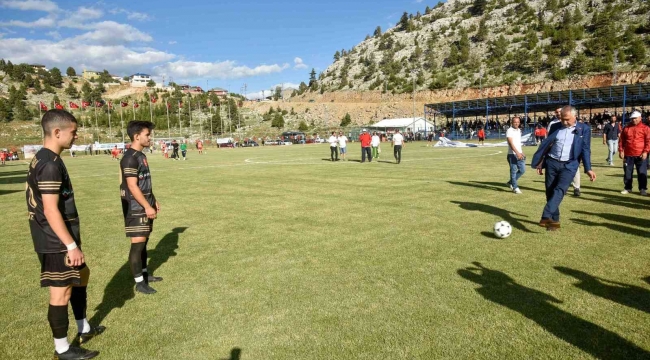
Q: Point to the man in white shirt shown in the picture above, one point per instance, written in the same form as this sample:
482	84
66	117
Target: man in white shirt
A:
374	143
516	157
333	140
343	145
397	143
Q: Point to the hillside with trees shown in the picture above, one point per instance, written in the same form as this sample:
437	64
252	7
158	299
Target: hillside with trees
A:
472	43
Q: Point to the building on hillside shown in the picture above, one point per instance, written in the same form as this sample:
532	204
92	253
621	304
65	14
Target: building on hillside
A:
218	91
37	67
187	89
417	124
90	75
139	79
117	78
184	87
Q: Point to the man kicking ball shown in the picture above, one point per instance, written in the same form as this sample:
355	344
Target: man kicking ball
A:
139	205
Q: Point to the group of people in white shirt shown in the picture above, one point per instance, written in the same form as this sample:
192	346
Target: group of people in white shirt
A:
370	146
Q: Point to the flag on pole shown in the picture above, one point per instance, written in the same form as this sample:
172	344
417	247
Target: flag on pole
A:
73	105
43	106
110	105
124	103
136	105
180	104
168	106
58	106
85	104
153	99
98	104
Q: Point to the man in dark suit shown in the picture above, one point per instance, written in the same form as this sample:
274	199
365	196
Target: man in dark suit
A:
568	143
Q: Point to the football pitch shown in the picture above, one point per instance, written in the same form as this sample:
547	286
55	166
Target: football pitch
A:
278	253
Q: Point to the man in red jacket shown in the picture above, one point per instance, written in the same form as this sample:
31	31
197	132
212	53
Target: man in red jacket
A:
633	147
365	140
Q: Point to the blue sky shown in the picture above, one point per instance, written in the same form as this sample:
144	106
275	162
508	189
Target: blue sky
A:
226	44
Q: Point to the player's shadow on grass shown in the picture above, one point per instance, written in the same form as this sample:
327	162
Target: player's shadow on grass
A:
235	354
22	173
632	296
539	307
500	213
629	201
491	185
7	192
15	179
617	218
120	287
614	227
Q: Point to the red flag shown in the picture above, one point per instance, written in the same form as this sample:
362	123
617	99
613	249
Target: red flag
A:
180	104
58	106
84	104
43	106
98	104
125	103
153	99
73	105
136	105
168	106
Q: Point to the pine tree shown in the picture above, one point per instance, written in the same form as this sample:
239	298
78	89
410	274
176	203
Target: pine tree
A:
303	126
577	15
70	71
579	64
427	11
37	86
2	64
377	32
531	40
278	121
71	91
636	52
48	88
312	79
403	23
337	55
482	32
551	5
478	7
86	92
55	77
346	120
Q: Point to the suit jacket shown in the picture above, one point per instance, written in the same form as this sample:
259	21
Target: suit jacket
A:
581	147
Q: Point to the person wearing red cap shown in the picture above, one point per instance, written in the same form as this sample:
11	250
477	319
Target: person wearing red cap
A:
633	148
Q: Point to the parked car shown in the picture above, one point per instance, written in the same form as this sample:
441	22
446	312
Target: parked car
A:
248	143
227	145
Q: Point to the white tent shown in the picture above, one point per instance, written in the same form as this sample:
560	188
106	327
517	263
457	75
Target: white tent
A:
415	124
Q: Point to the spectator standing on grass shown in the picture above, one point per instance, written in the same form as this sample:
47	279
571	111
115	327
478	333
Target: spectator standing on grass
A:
481	136
175	147
374	143
3	156
430	138
199	147
567	144
611	133
343	145
397	143
633	148
184	150
333	141
516	157
365	140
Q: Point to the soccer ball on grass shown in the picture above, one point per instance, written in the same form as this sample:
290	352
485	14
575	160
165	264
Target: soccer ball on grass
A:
502	229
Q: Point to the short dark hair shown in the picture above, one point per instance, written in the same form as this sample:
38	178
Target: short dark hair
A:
56	118
136	126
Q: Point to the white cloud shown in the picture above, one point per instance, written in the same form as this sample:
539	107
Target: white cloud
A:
138	16
69	52
54	35
38	5
42	22
173	42
78	19
298	64
132	15
188	70
112	33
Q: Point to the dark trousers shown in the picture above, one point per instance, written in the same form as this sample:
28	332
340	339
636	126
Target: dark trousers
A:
397	152
175	154
558	179
334	153
641	165
365	152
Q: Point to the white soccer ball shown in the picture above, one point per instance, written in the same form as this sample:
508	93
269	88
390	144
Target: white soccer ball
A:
502	229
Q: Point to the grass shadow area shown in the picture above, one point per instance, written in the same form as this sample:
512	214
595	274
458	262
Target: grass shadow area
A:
498	287
615	227
7	192
235	354
628	295
120	288
501	213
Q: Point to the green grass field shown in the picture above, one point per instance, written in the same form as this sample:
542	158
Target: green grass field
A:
276	253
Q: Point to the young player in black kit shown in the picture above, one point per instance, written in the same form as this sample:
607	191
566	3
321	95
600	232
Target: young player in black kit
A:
139	205
54	226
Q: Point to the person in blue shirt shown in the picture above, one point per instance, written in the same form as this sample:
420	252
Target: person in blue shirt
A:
567	144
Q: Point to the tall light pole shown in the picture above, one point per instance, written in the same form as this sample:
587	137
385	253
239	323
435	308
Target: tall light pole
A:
413	72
